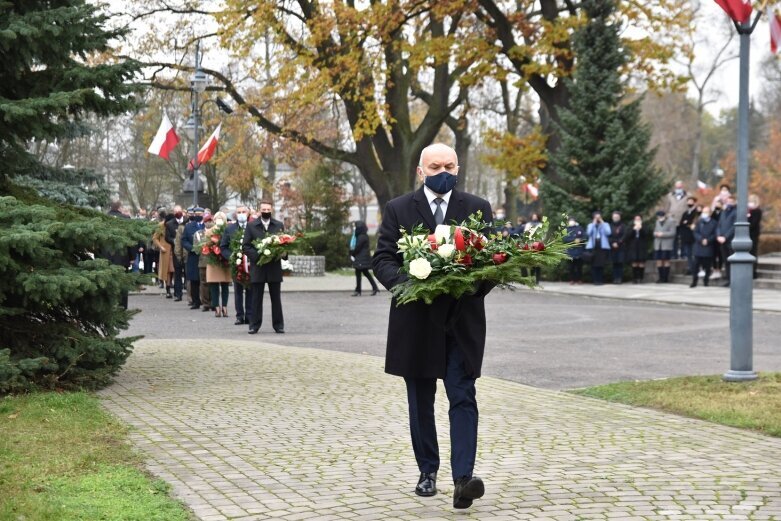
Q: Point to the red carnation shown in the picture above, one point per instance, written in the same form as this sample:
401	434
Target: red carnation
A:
466	260
432	239
205	250
538	246
499	258
525	247
215	238
216	250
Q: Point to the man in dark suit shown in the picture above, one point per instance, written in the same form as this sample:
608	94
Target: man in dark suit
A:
122	256
445	339
192	235
241	296
270	273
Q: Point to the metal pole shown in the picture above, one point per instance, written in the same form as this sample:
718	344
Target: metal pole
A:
197	118
741	262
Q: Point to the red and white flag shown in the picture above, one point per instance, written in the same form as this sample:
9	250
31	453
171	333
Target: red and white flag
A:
701	186
775	32
165	140
207	150
532	190
738	10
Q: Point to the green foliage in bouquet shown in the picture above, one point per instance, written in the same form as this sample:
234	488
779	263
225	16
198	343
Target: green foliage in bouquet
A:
460	259
59	300
239	269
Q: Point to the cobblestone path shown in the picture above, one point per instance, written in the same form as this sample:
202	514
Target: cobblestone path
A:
247	430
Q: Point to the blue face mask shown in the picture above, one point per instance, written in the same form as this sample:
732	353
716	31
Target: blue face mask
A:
241	217
441	183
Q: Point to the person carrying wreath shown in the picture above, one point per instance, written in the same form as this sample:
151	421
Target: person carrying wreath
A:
442	340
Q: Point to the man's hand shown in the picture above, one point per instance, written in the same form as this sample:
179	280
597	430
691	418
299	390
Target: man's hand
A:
721	239
705	242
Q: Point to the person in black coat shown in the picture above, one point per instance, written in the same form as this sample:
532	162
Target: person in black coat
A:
171	227
725	233
242	297
617	249
575	236
122	256
636	246
362	261
270	273
704	246
754	227
686	232
442	340
192	235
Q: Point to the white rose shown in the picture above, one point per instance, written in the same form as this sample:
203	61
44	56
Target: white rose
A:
265	241
442	233
446	251
266	252
238	262
275	238
420	268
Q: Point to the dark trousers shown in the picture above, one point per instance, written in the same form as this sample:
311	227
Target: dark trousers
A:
256	318
150	257
217	290
576	270
368	275
726	251
705	264
195	292
461	394
687	252
178	275
597	274
242	301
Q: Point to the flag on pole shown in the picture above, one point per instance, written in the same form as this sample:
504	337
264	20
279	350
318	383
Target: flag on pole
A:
165	140
701	186
738	10
775	32
532	190
207	150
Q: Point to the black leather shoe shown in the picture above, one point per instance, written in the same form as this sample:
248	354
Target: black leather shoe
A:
375	291
427	484
239	322
178	299
467	489
280	331
253	330
194	306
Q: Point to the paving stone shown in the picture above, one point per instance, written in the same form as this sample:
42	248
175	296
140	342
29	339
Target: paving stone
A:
247	430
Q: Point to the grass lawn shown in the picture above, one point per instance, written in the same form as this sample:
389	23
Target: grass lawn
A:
749	405
64	458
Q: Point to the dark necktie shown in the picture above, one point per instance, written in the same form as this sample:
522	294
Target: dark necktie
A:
439	217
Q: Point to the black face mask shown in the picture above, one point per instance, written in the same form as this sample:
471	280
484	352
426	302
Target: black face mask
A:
441	183
265	215
196	218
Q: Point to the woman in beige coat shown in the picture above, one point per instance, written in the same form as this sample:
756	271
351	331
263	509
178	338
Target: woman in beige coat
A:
218	277
165	264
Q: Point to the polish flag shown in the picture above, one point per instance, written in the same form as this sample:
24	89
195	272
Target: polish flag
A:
701	186
533	190
207	150
165	140
738	10
775	32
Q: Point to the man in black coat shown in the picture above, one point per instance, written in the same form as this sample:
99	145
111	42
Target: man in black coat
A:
242	299
270	273
445	339
171	227
192	235
725	233
122	256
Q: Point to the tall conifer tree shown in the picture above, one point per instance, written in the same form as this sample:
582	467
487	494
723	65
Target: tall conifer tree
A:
59	301
604	162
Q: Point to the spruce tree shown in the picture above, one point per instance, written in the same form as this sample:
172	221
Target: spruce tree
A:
604	161
59	300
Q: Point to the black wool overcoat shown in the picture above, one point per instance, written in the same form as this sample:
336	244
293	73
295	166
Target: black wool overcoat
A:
416	346
272	271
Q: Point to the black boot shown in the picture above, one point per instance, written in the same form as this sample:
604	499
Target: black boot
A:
694	281
667	274
168	291
640	274
660	272
356	293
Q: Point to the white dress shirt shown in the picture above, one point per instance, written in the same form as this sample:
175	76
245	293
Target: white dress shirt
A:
430	195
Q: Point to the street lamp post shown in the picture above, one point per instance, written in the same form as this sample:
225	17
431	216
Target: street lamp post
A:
741	262
198	83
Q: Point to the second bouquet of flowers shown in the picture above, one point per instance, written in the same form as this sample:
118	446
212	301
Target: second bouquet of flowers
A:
456	259
275	247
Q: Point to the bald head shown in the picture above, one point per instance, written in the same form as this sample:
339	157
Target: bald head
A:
435	159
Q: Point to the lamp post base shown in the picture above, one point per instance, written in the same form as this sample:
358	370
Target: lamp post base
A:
739	376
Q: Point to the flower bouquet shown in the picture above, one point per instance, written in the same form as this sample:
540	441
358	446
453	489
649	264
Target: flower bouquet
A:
456	259
238	261
274	247
210	247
